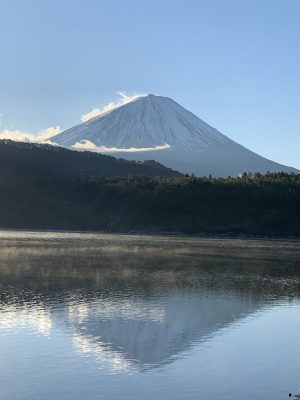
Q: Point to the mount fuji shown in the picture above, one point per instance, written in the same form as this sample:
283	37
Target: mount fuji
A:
158	128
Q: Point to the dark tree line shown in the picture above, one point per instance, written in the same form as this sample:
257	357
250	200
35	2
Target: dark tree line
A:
46	187
254	204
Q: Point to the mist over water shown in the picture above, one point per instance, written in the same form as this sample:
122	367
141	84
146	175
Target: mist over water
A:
110	317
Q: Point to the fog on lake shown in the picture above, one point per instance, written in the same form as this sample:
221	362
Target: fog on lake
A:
137	317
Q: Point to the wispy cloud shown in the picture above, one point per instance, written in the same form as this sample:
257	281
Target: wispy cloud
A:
88	145
123	99
24	136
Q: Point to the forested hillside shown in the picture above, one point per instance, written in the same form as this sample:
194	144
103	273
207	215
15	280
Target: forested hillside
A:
31	161
260	205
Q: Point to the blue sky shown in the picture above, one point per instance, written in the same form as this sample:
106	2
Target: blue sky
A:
236	64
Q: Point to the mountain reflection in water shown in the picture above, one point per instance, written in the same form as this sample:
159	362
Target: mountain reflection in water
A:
139	309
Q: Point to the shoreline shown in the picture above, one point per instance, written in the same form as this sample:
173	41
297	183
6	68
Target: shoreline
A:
146	233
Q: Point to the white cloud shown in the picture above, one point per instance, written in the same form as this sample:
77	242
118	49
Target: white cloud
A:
123	99
23	136
84	144
88	145
49	132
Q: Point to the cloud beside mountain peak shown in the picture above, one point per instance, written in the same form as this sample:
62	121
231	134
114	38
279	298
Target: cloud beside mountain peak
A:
123	99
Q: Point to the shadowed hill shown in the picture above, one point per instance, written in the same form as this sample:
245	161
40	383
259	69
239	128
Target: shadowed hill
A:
36	161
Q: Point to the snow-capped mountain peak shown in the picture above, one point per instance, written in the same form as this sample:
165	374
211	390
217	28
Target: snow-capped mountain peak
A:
146	122
176	137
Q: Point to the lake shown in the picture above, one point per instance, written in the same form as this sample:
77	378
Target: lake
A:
96	316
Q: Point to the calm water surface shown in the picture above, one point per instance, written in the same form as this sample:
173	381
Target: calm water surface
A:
86	316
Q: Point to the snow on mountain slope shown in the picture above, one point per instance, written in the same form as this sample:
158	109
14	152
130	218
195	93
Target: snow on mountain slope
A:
144	123
177	138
